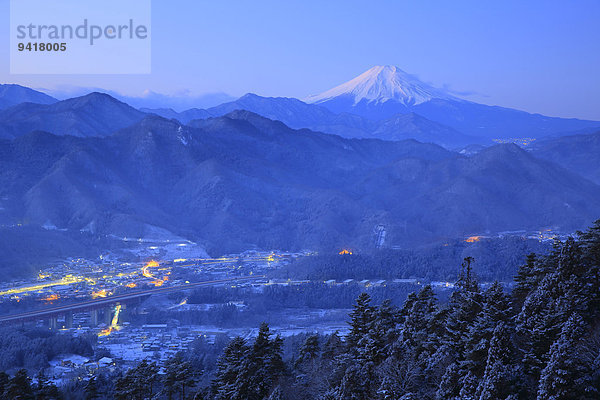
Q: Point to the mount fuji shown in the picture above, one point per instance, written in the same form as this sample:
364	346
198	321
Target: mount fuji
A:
382	92
379	93
381	84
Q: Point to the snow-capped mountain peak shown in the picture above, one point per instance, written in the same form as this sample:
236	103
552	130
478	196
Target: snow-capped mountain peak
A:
380	84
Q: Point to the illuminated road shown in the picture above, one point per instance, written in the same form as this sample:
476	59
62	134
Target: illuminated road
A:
106	301
143	271
68	280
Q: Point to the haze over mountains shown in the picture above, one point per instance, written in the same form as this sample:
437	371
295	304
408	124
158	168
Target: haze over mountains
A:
383	102
95	114
373	104
384	91
11	95
578	153
249	173
242	180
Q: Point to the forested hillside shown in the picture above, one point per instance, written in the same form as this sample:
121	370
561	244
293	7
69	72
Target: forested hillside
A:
497	259
538	342
542	341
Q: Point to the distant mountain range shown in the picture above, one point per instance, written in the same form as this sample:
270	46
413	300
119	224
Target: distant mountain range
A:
376	104
184	116
241	180
98	114
383	102
384	91
11	95
95	114
280	172
578	153
298	114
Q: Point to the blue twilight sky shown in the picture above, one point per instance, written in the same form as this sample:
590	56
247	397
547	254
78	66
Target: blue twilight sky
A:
538	56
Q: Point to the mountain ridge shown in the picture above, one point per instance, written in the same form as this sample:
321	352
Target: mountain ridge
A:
12	94
577	153
241	181
392	94
95	114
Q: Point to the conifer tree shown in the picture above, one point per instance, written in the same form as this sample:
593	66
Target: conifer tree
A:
229	370
465	304
400	373
468	385
498	379
203	394
409	396
381	334
123	388
138	382
44	389
466	279
361	319
276	394
561	377
309	351
19	387
91	389
310	372
561	292
414	331
407	306
333	346
590	242
450	384
4	379
526	280
496	309
179	376
357	383
265	364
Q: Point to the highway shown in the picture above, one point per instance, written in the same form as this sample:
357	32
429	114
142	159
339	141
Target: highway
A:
103	301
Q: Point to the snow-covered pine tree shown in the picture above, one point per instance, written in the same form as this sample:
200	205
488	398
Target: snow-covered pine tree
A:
499	378
564	370
496	309
527	279
382	333
361	319
229	369
265	364
450	384
464	306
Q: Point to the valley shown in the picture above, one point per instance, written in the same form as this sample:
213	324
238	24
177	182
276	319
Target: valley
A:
383	236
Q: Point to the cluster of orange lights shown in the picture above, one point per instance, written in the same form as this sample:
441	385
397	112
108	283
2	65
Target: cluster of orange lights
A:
114	325
146	268
51	297
160	282
106	332
345	251
473	239
100	293
131	285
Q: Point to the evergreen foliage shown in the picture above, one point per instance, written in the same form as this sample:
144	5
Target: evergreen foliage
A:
540	342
